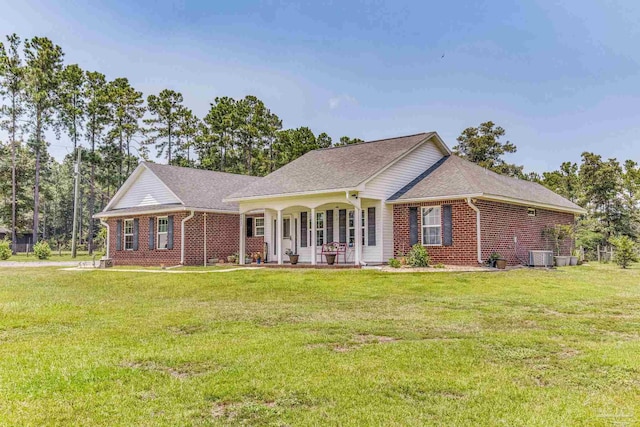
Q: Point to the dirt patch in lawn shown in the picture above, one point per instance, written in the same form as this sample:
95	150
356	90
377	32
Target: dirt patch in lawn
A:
354	343
256	409
181	371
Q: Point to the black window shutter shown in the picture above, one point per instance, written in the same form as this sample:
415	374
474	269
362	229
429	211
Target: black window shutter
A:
304	223
342	225
413	226
119	235
329	226
136	228
170	232
249	227
152	234
371	226
447	226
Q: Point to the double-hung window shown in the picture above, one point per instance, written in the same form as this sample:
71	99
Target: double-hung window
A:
431	226
259	225
162	233
319	228
128	234
352	228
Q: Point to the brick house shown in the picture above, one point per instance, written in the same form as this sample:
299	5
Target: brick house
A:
377	199
173	215
372	201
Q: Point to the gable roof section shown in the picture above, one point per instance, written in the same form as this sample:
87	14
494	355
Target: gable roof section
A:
335	168
194	189
454	176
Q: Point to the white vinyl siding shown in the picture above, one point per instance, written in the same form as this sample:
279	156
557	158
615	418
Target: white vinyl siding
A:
403	172
386	221
146	190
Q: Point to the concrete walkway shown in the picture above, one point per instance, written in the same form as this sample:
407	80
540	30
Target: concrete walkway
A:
139	270
30	264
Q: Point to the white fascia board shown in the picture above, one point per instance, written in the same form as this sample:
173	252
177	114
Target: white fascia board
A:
113	214
288	195
523	202
432	199
490	197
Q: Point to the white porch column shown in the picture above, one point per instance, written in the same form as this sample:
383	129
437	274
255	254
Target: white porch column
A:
243	234
279	236
313	236
358	223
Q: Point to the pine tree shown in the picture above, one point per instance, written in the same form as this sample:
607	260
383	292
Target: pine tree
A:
43	66
11	87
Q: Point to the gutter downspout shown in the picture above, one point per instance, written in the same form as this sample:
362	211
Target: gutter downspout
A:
204	252
478	236
182	236
107	245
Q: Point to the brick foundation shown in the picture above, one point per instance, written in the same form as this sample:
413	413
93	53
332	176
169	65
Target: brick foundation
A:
222	240
499	223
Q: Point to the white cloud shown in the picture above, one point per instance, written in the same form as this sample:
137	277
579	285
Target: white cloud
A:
336	101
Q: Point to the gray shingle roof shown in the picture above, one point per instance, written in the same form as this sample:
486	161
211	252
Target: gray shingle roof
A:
200	188
196	188
332	168
454	176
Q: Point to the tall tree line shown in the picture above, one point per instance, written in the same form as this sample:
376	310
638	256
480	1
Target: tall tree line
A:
608	189
115	126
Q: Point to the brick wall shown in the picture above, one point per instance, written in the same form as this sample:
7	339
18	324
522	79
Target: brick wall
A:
145	256
463	250
222	240
500	222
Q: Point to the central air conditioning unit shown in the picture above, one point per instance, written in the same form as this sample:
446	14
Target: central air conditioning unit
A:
541	258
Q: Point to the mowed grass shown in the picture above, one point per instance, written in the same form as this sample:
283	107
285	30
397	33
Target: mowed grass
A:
303	347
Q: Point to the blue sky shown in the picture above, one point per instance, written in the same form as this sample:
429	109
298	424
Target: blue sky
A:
562	77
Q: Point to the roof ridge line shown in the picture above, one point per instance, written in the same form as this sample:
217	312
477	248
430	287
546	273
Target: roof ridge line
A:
372	141
199	170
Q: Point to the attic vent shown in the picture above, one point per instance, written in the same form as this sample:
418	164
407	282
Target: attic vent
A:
531	212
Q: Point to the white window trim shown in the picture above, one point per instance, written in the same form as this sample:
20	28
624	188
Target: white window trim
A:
363	226
423	226
351	212
318	229
256	226
125	234
158	233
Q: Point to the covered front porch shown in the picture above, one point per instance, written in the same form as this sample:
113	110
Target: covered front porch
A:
313	227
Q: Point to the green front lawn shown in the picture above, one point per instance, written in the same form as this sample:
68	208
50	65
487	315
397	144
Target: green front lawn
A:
304	347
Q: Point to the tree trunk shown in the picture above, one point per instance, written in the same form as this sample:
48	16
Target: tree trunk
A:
169	126
14	237
92	197
36	191
120	180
